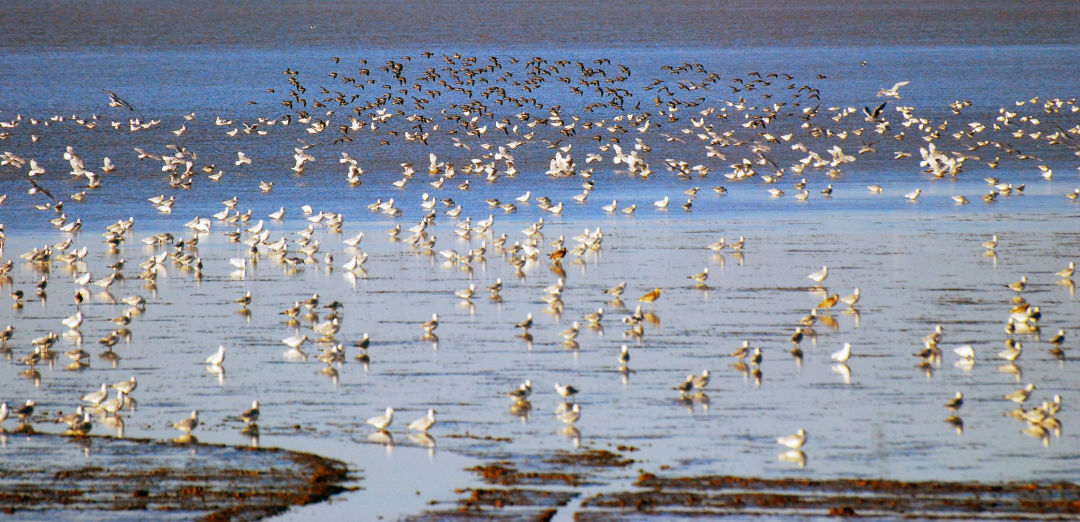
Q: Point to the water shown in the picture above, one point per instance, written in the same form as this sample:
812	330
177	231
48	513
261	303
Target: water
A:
918	264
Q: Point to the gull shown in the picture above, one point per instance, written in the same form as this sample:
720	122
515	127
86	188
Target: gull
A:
1068	271
116	101
566	391
114	404
251	414
624	356
616	290
218	357
189	423
71	418
876	189
992	244
610	209
1021	395
571	333
97	397
25	410
894	91
956	402
1058	339
295	341
966	351
82	426
629	211
423	424
5	412
742	351
430	325
795	441
663	203
686	385
1012	350
594	318
522	392
850	300
700	277
960	199
914	195
524	198
1018	286
843	354
701	381
572	415
651	296
127	386
381	422
526	324
466	293
280	213
245	300
819	276
74	321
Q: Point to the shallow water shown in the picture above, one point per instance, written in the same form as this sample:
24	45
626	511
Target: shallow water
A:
918	264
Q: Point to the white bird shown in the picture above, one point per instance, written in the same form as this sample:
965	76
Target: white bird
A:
251	414
663	203
423	423
843	354
894	91
218	357
127	386
572	415
819	276
914	195
795	441
566	391
97	397
74	321
189	423
381	422
522	392
966	351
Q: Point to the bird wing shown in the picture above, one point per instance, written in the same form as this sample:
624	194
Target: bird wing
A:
42	189
898	85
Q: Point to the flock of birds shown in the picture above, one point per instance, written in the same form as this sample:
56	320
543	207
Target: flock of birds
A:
479	122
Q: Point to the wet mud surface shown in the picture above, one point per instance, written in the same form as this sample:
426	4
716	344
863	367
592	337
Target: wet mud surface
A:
54	476
593	485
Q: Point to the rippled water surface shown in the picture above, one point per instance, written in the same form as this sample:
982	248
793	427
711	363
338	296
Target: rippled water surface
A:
918	264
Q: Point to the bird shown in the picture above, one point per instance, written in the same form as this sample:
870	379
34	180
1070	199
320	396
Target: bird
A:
25	410
701	381
616	290
1068	271
127	386
819	276
1018	286
966	351
522	392
894	91
116	101
1021	395
850	300
624	356
956	402
82	426
244	300
526	324
913	195
686	385
795	441
701	276
572	415
251	414
430	325
566	391
650	296
97	397
423	424
829	302
381	422
217	358
1058	338
843	354
188	423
